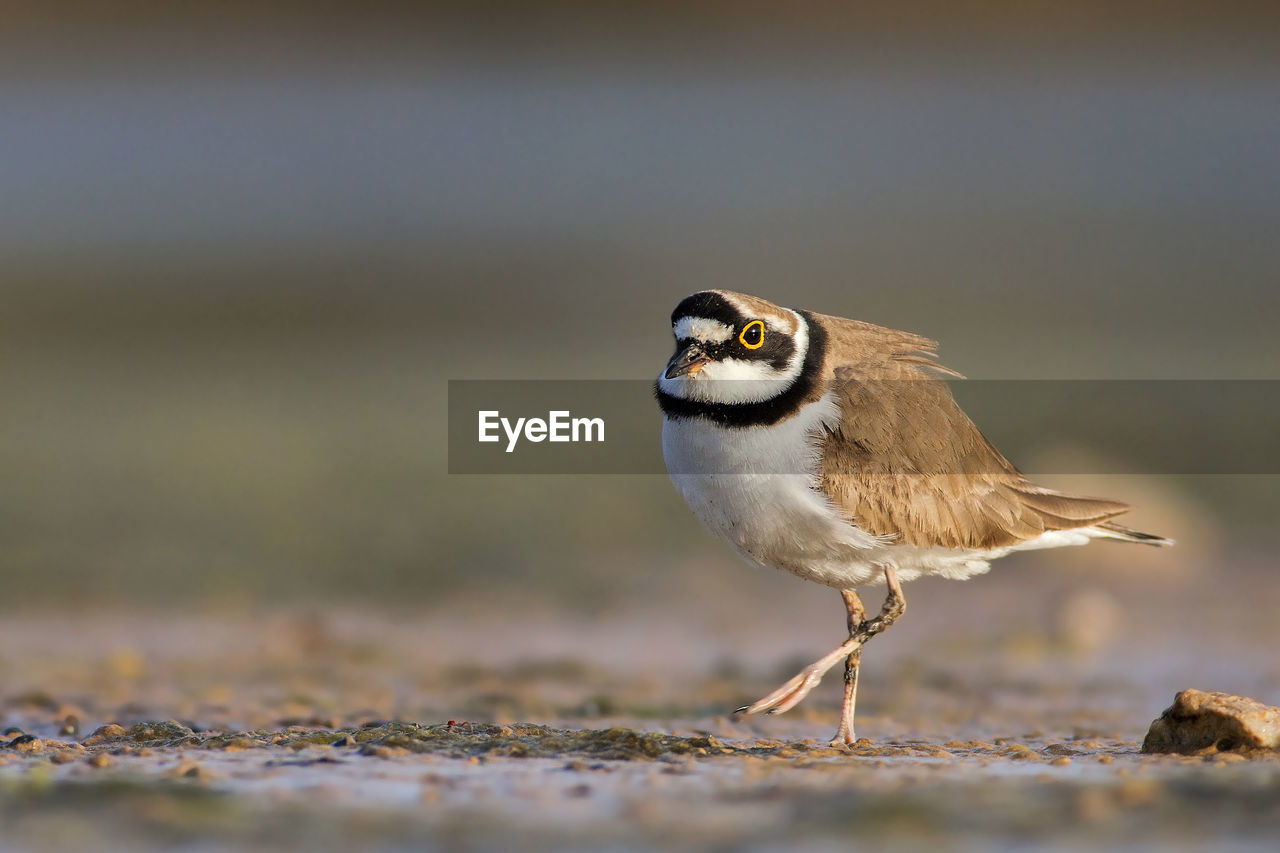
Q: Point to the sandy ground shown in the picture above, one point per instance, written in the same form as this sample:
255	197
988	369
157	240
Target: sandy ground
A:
987	722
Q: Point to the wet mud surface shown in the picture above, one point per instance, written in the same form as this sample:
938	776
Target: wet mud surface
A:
331	730
487	786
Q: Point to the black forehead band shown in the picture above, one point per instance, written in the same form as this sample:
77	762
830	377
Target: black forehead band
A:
710	305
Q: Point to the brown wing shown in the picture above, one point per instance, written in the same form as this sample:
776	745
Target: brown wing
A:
906	461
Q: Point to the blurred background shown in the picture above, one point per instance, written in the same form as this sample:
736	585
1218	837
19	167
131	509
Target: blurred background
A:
243	250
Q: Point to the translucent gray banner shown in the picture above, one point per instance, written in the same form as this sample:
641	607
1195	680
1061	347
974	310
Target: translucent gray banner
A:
1183	427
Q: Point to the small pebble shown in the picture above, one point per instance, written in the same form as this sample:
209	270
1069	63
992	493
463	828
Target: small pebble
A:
238	744
109	732
1060	762
100	760
189	770
27	743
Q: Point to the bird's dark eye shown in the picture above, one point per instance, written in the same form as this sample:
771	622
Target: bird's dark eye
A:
752	335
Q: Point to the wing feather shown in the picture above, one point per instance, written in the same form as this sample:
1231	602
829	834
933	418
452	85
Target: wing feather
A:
905	460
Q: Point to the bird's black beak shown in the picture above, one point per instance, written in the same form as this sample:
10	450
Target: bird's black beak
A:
688	361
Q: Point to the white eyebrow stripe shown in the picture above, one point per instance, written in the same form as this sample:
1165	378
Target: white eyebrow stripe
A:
702	329
777	324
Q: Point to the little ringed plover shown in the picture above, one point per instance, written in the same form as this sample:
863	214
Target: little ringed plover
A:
831	449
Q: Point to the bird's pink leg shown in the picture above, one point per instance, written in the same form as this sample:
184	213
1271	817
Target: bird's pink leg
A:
856	615
789	695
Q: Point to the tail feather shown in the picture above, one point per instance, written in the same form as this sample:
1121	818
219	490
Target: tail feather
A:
1128	534
1060	511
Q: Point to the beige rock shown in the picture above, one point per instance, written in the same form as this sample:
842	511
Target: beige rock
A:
104	734
1201	720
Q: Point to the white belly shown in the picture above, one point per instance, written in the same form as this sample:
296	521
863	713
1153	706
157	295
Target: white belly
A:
757	489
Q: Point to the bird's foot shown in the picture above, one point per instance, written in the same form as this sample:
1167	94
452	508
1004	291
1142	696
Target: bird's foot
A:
789	695
843	739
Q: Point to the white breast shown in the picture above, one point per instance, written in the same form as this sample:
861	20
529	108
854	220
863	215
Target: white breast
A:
757	488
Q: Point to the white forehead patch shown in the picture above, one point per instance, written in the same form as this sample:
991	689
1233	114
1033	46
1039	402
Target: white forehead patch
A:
702	329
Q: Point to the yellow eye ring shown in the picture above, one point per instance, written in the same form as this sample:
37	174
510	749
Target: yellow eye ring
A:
742	336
